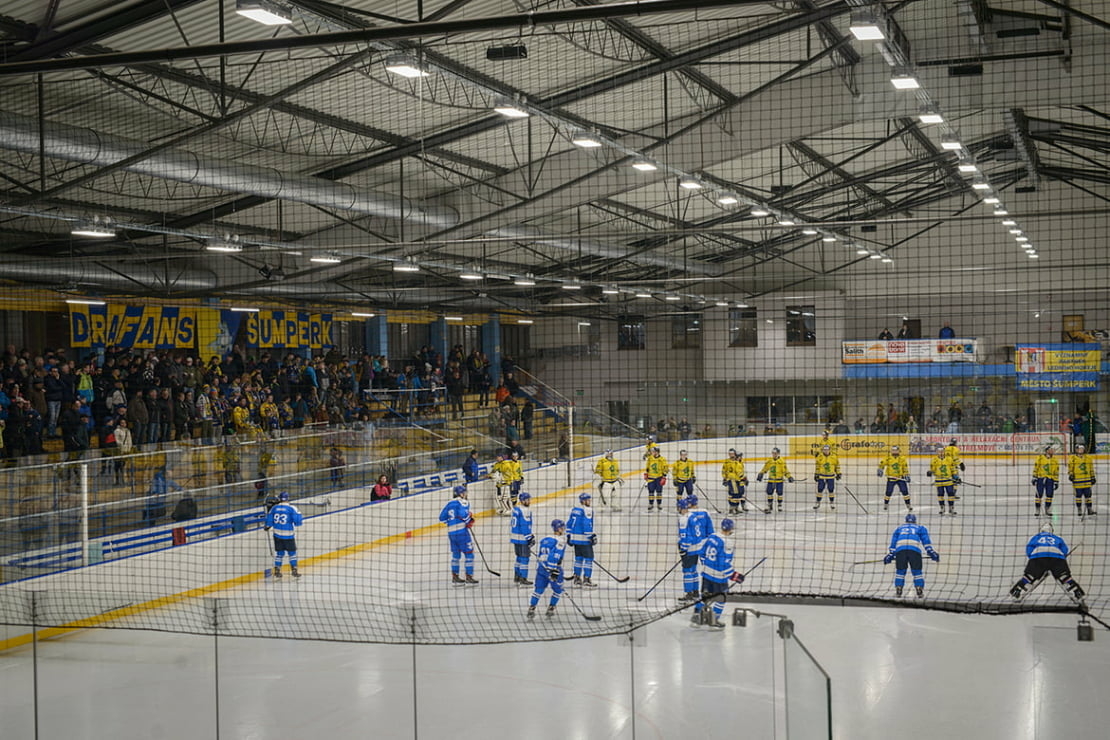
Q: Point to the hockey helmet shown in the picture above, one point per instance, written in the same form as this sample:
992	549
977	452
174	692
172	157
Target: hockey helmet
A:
681	504
1050	450
558	525
691	501
895	448
655	451
682	452
727	525
775	450
911	518
1047	527
524	497
608	453
952	441
515	454
584	497
459	490
732	451
825	448
283	496
1080	447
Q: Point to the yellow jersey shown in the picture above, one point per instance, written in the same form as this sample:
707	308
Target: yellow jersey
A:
683	470
943	470
826	466
1046	467
657	466
895	467
1081	470
775	469
607	469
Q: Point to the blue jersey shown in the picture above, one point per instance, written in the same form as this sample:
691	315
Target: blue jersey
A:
580	525
551	551
683	532
698	528
284	519
910	537
1046	545
470	470
455	515
521	525
716	559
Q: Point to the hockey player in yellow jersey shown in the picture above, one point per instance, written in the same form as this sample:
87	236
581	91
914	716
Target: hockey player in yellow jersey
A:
501	472
826	472
897	471
1046	478
735	480
608	472
952	451
656	476
683	473
943	472
1081	473
776	470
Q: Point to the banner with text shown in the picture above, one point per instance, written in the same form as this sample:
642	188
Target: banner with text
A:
139	327
289	330
1057	367
850	445
1022	443
879	351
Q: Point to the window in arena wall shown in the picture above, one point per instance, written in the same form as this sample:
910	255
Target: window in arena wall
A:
686	331
631	333
743	331
801	326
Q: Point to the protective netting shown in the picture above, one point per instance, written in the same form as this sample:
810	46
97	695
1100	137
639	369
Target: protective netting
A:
306	265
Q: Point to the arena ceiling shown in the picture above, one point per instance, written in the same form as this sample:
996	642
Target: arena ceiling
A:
188	126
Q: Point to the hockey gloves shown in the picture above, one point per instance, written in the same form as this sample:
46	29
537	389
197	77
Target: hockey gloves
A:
879	474
933	554
838	476
470	523
531	540
963	467
593	539
789	480
759	478
266	529
737	578
889	558
555	574
928	474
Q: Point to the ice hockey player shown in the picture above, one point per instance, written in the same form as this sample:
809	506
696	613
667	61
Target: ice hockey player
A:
456	515
649	445
1081	473
735	480
499	472
656	476
1047	553
272	499
683	473
549	568
897	471
284	519
952	450
775	469
1046	477
906	545
716	574
826	472
514	476
580	533
942	471
522	538
692	538
608	472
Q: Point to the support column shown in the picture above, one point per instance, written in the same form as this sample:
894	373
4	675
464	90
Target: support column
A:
437	337
376	333
491	346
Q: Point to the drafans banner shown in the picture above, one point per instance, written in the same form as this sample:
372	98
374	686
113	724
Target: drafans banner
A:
1057	367
880	351
139	327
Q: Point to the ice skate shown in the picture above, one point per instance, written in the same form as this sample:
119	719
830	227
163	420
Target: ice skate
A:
587	583
525	582
780	508
296	573
277	572
832	507
898	591
695	621
716	624
817	506
909	508
951	510
456	581
531	612
886	506
1091	511
470	580
550	611
1037	512
920	591
687	597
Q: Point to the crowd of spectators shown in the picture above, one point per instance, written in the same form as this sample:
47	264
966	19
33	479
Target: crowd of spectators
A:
130	399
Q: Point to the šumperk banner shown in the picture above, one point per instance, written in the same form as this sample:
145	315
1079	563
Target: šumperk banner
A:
879	351
211	331
1057	367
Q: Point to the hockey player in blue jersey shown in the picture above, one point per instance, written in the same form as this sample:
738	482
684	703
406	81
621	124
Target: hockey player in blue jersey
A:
906	545
1047	553
698	527
716	574
456	515
549	568
284	518
522	538
580	533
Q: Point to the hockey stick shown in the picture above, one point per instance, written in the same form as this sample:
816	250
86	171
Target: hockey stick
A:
706	497
489	570
601	493
605	570
967	483
638	494
865	562
858	503
270	544
798	480
669	571
588	618
325	503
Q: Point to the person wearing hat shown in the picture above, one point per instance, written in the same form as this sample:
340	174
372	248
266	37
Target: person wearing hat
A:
284	518
1047	553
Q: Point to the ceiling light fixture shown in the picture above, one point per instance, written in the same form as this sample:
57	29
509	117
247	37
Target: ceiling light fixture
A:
672	298
243	309
690	183
644	165
861	250
363	315
98	228
951	144
967	169
643	295
327	259
727	199
865	27
470	275
526	281
810	232
452	318
904	81
787	222
981	185
930	115
828	238
992	201
406	265
585	140
610	290
264	11
525	321
760	212
84	302
510	108
405	66
721	304
571	286
1009	222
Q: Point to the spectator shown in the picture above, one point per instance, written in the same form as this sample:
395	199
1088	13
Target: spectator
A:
471	468
904	332
336	465
155	507
885	334
185	510
527	412
381	490
684	429
947	332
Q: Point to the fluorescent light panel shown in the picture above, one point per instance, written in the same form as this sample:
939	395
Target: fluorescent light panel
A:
266	13
84	302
